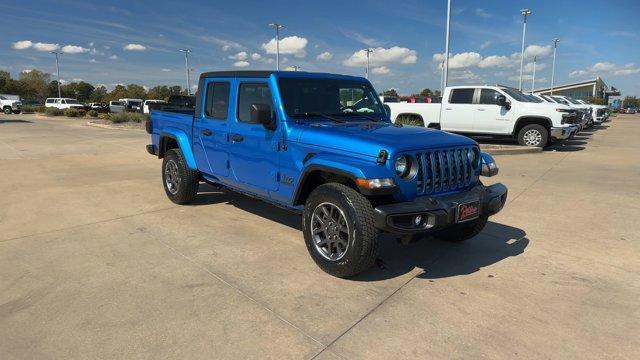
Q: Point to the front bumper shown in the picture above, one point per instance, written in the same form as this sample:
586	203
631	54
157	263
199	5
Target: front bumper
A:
438	212
566	132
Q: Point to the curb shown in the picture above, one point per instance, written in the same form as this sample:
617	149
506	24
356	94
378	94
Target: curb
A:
509	149
111	127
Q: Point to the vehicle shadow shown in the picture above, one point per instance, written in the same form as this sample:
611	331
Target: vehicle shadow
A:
567	145
16	121
440	259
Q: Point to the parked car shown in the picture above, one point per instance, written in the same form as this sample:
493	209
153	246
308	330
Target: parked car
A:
286	138
10	104
600	113
587	111
63	103
182	100
493	111
99	107
116	106
132	105
145	107
581	114
630	110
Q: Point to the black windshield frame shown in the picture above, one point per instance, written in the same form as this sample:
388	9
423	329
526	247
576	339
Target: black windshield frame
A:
310	97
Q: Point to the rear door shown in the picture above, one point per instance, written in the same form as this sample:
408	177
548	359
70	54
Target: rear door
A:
211	129
458	112
253	149
491	118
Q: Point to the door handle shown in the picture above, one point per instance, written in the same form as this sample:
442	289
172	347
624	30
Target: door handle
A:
237	138
448	108
480	109
207	132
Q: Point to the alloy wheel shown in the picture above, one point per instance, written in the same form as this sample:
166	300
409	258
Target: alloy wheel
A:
172	177
330	231
532	137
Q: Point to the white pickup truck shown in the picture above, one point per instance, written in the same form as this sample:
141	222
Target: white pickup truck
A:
492	111
10	104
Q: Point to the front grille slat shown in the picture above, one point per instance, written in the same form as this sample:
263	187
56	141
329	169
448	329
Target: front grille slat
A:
443	170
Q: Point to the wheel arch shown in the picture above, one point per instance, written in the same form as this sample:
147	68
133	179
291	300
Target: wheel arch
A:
171	139
528	120
316	175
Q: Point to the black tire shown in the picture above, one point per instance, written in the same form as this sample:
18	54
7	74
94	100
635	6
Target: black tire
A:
7	110
462	232
533	135
362	249
184	181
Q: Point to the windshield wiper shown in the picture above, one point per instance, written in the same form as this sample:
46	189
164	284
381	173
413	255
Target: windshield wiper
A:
359	114
324	115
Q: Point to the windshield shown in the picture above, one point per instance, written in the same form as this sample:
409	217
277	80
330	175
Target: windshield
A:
560	100
573	101
517	95
532	98
336	97
134	103
72	101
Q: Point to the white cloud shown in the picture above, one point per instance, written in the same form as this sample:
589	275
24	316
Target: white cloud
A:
256	56
107	47
166	70
241	64
26	71
528	67
380	70
495	61
382	56
325	56
76	80
135	47
606	68
225	45
113	57
537	50
483	13
293	45
623	33
525	77
459	61
21	45
73	49
290	68
242	55
91	44
93	61
45	46
485	45
464	76
371	42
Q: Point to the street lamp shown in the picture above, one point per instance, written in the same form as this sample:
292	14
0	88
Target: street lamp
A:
525	13
186	66
369	51
278	27
553	66
57	71
533	78
446	48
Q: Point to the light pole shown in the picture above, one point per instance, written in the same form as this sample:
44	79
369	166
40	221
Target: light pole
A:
278	27
442	78
186	66
57	72
525	13
553	66
369	51
446	47
533	78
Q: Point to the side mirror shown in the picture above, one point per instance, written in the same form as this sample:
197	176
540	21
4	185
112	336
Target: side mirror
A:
502	101
488	165
261	114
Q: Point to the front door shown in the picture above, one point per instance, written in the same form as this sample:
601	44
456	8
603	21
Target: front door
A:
253	149
211	129
490	118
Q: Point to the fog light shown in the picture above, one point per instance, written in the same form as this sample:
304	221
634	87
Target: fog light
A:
417	220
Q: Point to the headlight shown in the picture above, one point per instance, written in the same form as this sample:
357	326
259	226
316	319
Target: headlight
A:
489	166
403	166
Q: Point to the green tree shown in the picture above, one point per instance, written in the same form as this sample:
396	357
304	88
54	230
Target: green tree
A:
5	81
631	101
99	94
426	92
119	92
390	92
35	84
594	100
135	91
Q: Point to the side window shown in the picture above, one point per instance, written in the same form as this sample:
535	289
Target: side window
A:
50	101
217	105
252	93
488	96
462	96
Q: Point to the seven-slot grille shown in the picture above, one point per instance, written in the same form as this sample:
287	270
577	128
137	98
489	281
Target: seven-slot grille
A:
444	170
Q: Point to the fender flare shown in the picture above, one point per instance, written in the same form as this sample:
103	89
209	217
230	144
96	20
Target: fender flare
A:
183	143
533	117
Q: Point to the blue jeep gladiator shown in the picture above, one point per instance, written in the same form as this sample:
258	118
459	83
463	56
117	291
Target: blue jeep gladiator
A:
323	145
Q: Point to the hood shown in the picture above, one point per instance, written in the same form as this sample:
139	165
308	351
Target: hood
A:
368	138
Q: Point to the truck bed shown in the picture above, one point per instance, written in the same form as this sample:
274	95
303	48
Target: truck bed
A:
429	112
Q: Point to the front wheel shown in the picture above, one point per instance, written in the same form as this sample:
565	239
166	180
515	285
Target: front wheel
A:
7	110
533	135
462	232
180	182
338	230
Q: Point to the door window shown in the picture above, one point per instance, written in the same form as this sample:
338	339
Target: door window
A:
217	105
249	94
488	96
462	96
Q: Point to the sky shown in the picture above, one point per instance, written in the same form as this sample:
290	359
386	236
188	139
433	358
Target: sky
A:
123	42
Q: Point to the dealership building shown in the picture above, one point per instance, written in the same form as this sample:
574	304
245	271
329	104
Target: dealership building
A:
596	88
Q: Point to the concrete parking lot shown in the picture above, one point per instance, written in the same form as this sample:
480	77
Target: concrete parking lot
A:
96	262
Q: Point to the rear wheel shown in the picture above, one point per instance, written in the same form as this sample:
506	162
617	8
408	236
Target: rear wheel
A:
533	135
7	110
180	182
338	230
